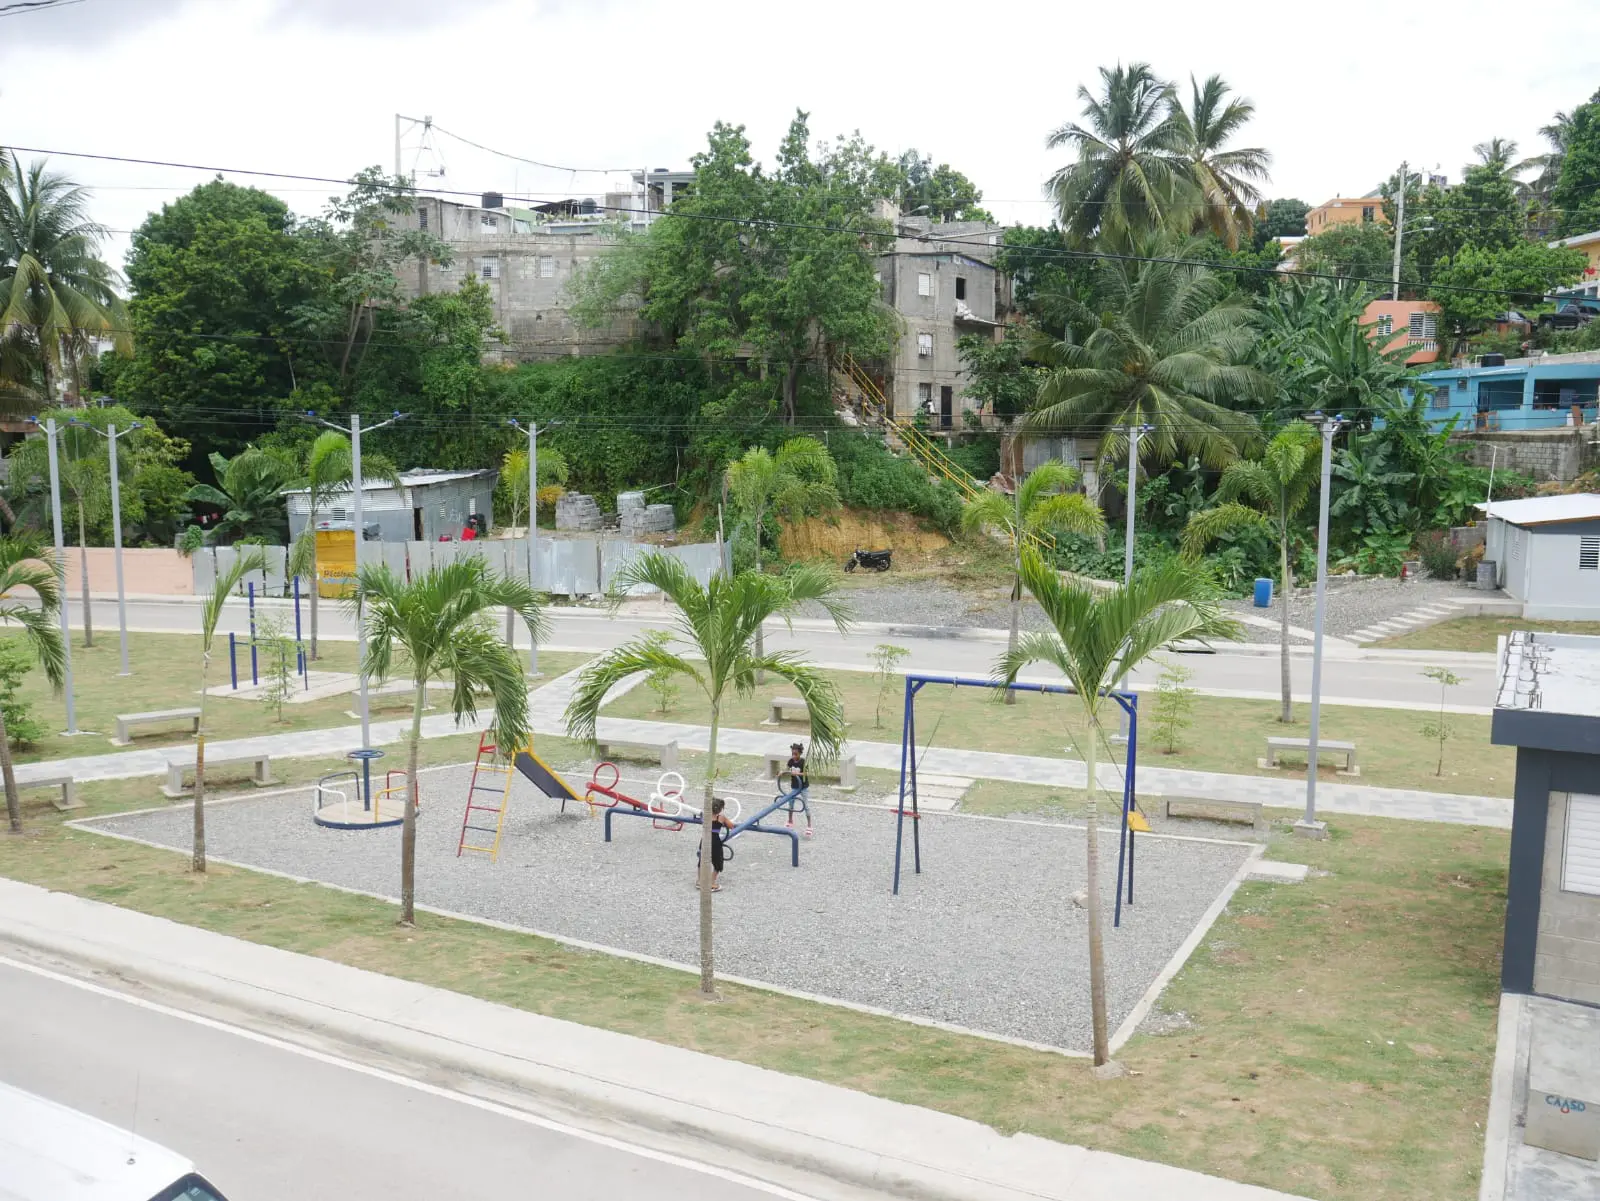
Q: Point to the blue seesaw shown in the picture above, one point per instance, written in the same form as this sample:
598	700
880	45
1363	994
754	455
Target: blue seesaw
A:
687	818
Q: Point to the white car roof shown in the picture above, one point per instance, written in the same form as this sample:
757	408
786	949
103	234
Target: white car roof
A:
49	1152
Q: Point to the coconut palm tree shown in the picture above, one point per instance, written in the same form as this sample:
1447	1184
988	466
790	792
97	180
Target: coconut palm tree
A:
1164	347
1223	178
328	470
54	289
717	623
225	585
26	563
1098	639
1043	501
1267	494
798	480
1497	152
440	624
249	492
553	469
1129	170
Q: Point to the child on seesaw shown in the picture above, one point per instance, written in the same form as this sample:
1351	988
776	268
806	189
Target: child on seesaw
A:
799	782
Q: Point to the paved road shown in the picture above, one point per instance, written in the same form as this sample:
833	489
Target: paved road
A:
1375	678
266	1122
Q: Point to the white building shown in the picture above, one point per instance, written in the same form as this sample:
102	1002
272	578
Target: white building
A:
1547	554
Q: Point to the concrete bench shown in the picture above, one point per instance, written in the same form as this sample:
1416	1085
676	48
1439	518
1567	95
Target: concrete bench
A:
1248	812
1325	746
260	772
842	769
127	721
665	752
68	798
780	703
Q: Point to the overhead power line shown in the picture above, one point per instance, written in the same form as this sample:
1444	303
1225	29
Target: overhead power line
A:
19	7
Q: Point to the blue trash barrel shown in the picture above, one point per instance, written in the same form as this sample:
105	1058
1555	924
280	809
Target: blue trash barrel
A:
1263	593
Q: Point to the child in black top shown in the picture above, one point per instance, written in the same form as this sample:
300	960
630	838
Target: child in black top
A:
799	783
719	823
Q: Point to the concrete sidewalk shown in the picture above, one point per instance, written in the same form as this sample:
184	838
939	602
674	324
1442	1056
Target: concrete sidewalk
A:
830	1142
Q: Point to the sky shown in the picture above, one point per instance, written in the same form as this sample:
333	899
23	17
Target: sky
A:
1343	93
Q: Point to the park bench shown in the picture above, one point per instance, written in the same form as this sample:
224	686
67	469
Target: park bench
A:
260	771
1325	746
1248	812
779	703
666	751
842	769
63	781
127	721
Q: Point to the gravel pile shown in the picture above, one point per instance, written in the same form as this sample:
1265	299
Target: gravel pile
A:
986	937
1354	603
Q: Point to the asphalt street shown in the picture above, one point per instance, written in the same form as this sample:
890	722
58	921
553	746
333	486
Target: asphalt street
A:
265	1121
1379	678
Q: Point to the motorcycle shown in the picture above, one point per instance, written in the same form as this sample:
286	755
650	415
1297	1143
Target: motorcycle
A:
872	560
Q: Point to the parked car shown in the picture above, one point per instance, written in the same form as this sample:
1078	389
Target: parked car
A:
1570	314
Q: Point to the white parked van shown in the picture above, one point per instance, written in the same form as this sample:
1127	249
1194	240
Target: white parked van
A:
51	1153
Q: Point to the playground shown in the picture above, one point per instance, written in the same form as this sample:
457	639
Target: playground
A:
987	937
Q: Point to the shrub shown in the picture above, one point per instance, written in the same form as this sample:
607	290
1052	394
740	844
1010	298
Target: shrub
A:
15	662
1438	555
870	477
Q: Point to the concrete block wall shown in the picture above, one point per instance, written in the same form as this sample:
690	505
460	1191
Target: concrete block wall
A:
1547	455
577	511
1566	961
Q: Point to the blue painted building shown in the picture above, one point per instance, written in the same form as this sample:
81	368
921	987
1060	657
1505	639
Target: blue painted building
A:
1521	394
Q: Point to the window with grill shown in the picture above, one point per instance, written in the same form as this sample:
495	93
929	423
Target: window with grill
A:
1385	325
489	268
1580	856
1441	398
1369	212
1589	553
1424	327
489	221
924	284
547	266
925	395
422	218
924	345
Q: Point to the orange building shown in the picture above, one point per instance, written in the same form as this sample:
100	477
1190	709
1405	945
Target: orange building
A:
1344	210
1589	243
1413	323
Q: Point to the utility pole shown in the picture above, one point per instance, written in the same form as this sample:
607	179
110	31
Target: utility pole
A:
55	514
110	435
1399	230
1133	486
532	429
1309	826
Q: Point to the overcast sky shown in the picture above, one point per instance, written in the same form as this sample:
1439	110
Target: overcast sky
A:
1343	92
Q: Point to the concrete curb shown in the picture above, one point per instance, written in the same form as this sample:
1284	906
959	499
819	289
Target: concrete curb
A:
1502	1098
664	1096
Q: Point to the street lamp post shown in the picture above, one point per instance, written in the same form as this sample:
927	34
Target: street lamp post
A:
111	435
1308	825
532	429
61	558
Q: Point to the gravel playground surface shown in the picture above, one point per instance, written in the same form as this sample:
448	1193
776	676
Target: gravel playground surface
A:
987	937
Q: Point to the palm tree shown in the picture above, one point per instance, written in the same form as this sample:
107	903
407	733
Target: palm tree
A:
53	287
225	586
1558	134
1165	347
328	470
1344	369
440	624
1497	152
718	624
1223	178
1044	500
1130	165
1266	494
249	492
1099	638
798	480
553	469
29	564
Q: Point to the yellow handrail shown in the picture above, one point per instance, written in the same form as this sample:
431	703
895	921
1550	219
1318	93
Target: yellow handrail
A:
933	460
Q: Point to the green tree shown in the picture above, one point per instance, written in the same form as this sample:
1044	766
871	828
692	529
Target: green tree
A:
223	290
1440	728
226	585
1044	502
1289	319
1266	494
1541	220
886	656
1476	284
55	292
1130	168
440	625
1046	279
1165	346
1282	218
249	493
941	193
718	623
1223	178
1000	376
512	489
1097	639
29	565
1357	250
1576	194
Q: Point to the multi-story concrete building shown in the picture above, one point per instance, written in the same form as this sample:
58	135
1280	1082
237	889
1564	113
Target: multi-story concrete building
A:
1344	210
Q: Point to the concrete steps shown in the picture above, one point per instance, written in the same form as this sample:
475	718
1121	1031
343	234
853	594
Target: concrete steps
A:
1414	619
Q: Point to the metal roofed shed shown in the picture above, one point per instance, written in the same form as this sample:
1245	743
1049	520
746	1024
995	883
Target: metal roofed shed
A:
1547	554
426	506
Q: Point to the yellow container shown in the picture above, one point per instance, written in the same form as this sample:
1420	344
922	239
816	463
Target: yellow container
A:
336	563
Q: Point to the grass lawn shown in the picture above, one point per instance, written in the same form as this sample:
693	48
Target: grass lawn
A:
1478	633
1226	735
1332	1039
166	675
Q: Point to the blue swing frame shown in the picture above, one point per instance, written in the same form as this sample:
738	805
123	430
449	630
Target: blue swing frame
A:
908	774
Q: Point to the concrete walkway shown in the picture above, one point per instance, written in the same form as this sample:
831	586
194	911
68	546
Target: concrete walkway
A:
820	1140
549	704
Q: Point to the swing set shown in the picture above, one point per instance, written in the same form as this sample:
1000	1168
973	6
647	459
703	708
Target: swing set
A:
1131	819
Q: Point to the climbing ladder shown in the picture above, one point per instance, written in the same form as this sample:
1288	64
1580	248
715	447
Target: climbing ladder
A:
491	777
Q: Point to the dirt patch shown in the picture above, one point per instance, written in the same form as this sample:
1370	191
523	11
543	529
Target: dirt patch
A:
835	536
